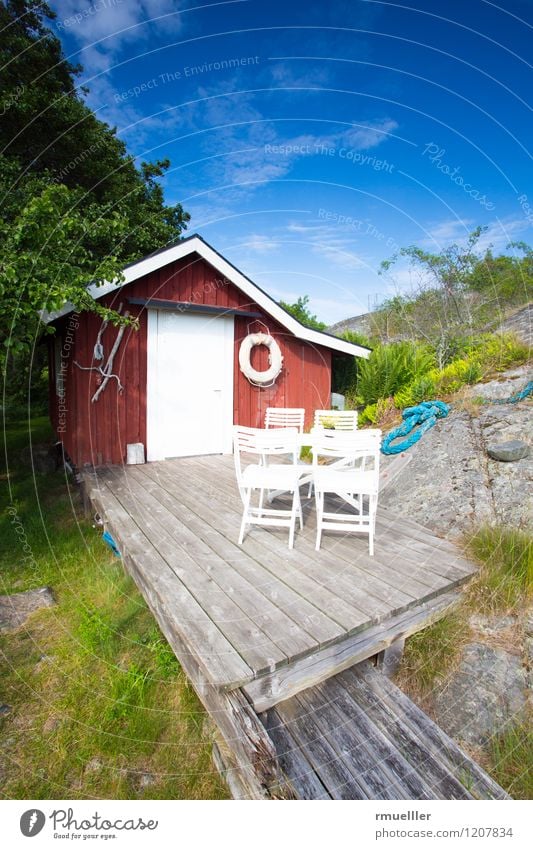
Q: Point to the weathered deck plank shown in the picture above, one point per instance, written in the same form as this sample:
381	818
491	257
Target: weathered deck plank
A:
273	597
271	549
367	589
201	638
268	690
360	724
243	632
259	615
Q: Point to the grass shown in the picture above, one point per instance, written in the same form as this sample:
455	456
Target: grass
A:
431	653
511	757
502	586
100	707
505	578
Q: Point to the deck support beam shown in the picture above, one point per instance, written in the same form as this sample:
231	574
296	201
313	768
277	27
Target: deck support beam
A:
267	691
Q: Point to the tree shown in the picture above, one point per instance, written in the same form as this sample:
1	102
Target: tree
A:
301	312
75	208
507	279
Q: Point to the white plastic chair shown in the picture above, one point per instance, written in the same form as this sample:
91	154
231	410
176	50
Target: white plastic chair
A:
353	476
285	417
284	477
336	419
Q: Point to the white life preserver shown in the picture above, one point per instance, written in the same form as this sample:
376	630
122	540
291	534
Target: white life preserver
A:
275	358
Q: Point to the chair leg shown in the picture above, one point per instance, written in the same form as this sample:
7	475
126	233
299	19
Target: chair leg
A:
372	510
261	498
319	500
294	512
245	515
299	506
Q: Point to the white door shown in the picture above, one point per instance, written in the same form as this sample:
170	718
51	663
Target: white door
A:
190	384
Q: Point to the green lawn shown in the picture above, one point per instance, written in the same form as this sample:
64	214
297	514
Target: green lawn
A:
100	707
503	585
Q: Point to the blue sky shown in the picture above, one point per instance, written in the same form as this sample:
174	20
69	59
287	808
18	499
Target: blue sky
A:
308	140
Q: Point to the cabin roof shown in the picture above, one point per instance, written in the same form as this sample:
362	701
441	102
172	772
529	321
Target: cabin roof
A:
196	244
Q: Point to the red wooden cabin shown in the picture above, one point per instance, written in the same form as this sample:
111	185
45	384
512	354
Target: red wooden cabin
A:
182	387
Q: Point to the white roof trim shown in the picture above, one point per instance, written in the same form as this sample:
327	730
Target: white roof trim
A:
194	244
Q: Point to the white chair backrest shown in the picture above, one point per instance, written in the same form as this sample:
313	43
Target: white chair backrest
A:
258	441
338	419
285	417
357	445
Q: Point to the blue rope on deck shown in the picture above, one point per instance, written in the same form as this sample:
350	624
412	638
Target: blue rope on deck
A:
512	399
423	416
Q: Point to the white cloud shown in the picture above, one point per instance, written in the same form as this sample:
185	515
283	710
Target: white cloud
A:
283	74
105	26
103	29
260	244
366	137
498	234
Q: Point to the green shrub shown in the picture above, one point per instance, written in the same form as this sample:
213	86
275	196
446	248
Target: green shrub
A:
391	367
369	415
457	374
497	352
421	389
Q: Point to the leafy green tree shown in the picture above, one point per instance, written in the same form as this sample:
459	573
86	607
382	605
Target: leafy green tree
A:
456	292
507	279
75	208
301	312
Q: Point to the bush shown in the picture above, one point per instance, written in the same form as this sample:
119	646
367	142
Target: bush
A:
457	374
406	371
421	389
382	414
391	367
369	415
499	352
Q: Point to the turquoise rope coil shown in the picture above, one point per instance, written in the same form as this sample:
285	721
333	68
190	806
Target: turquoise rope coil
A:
513	399
423	416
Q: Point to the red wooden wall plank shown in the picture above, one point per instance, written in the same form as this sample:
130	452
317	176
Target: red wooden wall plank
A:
99	433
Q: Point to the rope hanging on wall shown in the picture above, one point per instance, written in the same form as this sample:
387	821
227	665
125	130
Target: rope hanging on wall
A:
98	354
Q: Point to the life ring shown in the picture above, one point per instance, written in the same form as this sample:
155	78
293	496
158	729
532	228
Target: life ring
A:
275	358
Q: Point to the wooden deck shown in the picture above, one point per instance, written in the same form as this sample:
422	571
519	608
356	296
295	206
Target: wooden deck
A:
259	616
357	736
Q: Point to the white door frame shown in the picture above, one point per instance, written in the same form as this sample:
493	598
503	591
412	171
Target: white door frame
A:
154	448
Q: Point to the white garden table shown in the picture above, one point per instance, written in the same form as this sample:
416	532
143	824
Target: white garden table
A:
305	440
